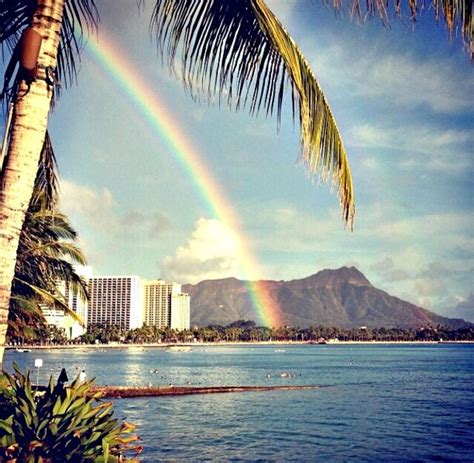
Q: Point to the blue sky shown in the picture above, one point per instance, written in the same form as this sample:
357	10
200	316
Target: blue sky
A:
403	102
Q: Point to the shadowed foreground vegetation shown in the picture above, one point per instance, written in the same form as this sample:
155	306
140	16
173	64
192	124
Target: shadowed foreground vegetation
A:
60	422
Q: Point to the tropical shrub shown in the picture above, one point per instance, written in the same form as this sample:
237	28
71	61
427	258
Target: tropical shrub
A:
60	423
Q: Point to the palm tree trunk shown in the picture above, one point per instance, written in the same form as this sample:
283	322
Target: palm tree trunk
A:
28	131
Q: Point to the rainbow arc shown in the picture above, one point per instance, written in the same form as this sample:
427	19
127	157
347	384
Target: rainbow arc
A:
163	123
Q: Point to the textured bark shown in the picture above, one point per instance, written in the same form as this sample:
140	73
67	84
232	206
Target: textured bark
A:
28	131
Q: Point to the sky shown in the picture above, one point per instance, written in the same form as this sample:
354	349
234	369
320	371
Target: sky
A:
402	98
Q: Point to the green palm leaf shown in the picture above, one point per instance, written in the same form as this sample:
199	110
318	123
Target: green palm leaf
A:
457	14
46	183
321	143
46	253
240	52
51	299
79	16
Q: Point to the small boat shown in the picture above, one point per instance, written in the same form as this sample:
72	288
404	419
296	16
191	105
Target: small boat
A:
22	351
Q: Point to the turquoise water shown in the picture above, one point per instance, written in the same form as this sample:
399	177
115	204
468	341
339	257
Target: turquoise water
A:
378	403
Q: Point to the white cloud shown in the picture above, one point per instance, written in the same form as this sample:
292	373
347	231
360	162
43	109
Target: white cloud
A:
464	307
398	79
416	258
426	147
213	251
98	211
282	10
92	205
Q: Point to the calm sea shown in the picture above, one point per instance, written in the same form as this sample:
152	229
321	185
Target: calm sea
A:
377	403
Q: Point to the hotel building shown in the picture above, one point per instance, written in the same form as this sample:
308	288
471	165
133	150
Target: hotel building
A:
157	302
115	300
75	302
180	311
125	301
62	320
164	305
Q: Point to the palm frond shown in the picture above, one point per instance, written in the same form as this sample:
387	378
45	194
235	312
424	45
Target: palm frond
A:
457	14
50	224
46	270
45	190
46	251
239	52
80	16
14	16
58	249
26	319
78	286
51	299
321	143
28	304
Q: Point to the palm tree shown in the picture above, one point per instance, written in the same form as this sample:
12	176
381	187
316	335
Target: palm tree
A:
45	252
233	48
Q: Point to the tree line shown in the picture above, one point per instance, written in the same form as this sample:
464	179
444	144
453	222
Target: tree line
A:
245	331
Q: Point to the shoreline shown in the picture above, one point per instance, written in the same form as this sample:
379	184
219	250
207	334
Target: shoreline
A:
144	346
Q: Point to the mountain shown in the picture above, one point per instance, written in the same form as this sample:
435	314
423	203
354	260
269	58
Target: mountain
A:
342	298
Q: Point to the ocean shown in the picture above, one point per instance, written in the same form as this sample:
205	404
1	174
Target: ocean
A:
407	402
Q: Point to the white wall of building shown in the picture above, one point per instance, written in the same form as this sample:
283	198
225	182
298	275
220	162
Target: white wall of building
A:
157	302
74	302
180	311
116	300
136	306
63	321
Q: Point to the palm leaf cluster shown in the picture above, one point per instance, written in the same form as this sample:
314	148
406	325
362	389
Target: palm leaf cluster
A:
457	14
46	254
79	16
240	52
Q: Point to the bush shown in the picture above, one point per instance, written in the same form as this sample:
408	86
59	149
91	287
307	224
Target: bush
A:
61	423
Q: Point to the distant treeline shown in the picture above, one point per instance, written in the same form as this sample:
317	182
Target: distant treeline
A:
247	330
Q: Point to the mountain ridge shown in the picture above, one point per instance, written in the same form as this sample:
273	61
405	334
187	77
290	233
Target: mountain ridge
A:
341	297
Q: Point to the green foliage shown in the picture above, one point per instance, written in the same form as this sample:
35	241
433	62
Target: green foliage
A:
46	254
248	331
239	52
62	423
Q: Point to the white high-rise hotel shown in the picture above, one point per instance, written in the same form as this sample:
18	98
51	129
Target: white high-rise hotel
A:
156	302
165	305
62	320
180	311
129	302
115	300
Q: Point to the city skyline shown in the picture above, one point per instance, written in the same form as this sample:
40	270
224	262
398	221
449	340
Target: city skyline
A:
127	301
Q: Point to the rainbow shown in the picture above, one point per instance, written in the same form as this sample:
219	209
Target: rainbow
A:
147	102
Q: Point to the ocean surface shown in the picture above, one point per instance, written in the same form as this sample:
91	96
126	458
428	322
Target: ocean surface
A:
376	402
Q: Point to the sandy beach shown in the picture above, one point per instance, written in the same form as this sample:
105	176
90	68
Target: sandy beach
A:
216	344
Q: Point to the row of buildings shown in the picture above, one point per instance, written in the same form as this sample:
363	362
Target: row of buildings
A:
125	301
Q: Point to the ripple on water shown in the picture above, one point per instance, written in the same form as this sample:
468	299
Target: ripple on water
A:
383	403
